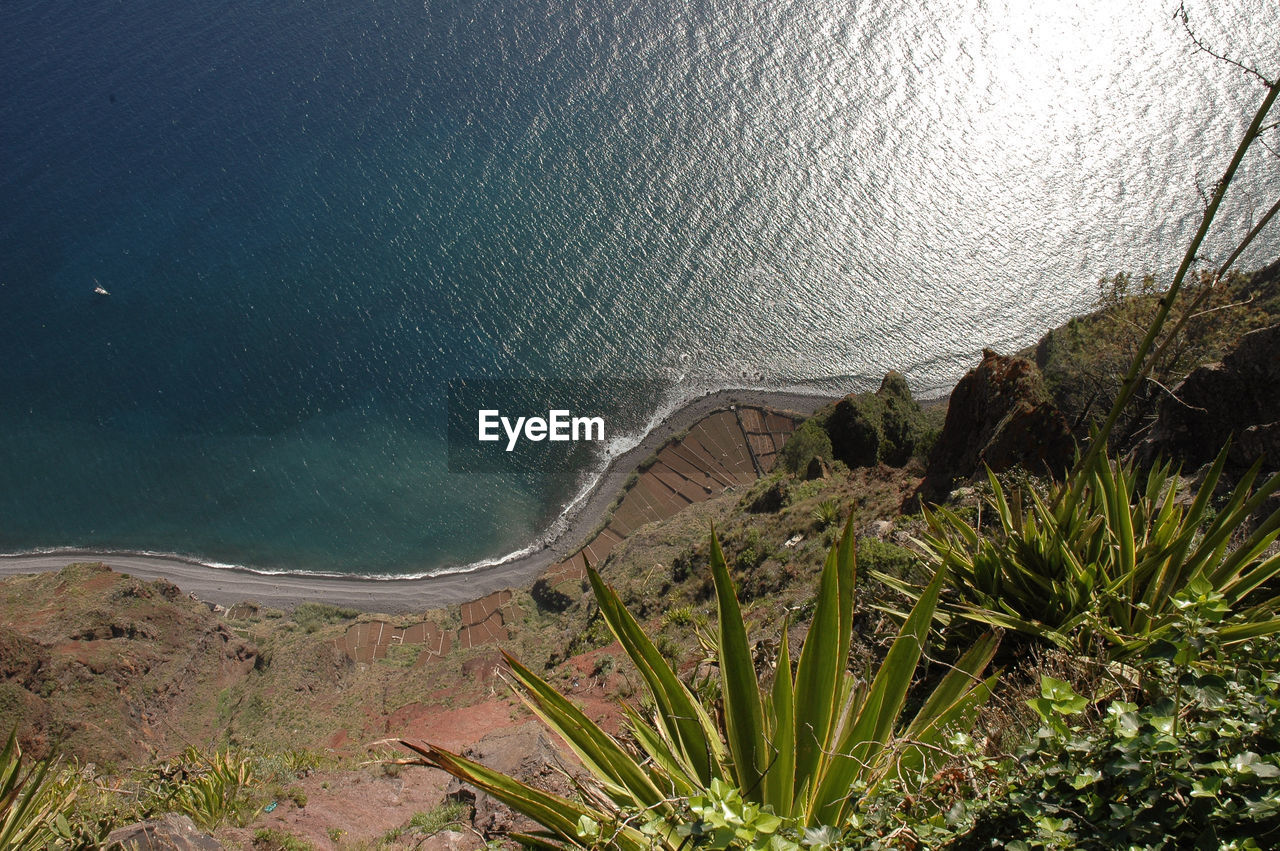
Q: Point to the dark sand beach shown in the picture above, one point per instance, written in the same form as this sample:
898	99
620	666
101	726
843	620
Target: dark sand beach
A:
226	586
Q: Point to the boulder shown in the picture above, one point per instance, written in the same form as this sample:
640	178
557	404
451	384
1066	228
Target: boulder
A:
169	832
452	840
773	499
817	469
880	529
999	416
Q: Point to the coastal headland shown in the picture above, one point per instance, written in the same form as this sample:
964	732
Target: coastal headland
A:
712	443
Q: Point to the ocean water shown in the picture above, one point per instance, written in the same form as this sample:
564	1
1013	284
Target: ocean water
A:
312	216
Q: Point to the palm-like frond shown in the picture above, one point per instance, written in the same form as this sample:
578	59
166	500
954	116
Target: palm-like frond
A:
28	805
1111	564
802	748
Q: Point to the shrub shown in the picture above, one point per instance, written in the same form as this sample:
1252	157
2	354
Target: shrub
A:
436	820
215	790
313	616
807	442
1191	763
678	615
1101	561
429	822
883	558
826	514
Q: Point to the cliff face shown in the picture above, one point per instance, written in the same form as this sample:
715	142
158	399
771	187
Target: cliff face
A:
1000	416
109	667
1234	399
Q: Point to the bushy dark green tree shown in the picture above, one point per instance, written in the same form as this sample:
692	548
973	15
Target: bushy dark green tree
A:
888	425
807	442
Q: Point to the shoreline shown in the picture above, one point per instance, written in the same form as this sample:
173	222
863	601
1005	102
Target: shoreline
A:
229	585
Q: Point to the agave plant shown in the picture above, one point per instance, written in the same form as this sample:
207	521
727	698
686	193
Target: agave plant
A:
29	811
1112	565
799	751
219	791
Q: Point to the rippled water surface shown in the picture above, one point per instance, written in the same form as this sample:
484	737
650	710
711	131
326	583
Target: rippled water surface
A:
310	215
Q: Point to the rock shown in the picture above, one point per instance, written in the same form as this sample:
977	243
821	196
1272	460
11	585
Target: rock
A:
452	840
772	500
880	529
170	832
856	430
1259	441
525	753
1234	399
817	469
999	416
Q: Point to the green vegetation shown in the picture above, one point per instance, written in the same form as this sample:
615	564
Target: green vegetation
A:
313	616
272	839
810	440
76	807
826	514
1083	361
886	426
218	790
31	810
449	814
777	761
1109	569
678	615
1193	765
881	558
1177	750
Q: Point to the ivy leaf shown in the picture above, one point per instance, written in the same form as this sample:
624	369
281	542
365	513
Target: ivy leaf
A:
1206	787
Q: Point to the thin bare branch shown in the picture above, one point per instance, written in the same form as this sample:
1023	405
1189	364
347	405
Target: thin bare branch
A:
1247	301
1202	47
1174	396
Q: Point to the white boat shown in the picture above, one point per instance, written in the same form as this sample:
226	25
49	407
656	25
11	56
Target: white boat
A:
100	289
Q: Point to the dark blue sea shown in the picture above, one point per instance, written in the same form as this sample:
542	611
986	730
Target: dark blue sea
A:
312	215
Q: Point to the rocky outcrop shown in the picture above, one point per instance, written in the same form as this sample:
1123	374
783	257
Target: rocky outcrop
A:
772	500
170	832
1000	416
1235	400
